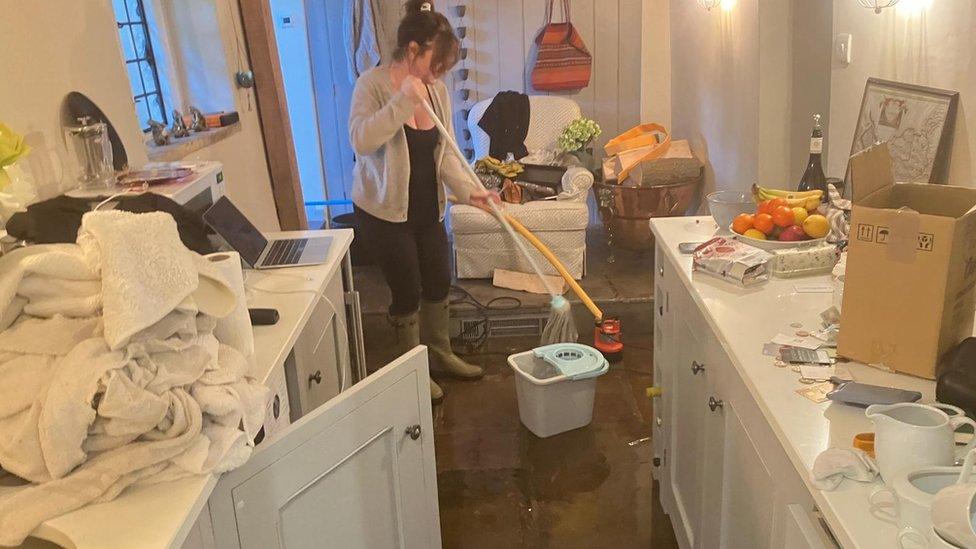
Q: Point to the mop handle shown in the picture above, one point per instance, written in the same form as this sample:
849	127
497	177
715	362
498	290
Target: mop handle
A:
476	182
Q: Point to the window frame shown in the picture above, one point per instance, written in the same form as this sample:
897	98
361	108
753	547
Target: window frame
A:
149	59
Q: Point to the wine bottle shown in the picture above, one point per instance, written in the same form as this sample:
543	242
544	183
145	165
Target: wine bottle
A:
813	178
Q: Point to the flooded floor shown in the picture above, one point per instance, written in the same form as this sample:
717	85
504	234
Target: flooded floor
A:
501	486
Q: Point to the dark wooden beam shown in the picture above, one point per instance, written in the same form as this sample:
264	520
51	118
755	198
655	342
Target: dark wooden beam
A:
273	112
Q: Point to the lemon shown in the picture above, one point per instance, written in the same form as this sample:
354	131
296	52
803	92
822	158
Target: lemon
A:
800	215
755	233
816	226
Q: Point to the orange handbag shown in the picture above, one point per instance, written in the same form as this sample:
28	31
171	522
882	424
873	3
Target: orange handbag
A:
563	63
638	144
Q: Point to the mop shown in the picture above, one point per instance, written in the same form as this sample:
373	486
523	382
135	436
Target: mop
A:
559	327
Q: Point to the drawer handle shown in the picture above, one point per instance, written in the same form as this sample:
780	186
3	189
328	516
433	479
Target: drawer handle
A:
316	377
660	310
413	432
696	367
715	404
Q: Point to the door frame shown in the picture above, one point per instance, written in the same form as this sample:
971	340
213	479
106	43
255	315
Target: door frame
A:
269	87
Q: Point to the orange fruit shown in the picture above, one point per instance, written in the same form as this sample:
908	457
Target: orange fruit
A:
742	223
800	215
783	216
756	234
765	207
816	226
764	222
776	203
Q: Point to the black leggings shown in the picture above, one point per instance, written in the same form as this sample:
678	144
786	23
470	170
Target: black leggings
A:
415	259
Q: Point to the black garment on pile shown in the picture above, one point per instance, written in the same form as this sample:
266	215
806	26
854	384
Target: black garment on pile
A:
507	123
57	220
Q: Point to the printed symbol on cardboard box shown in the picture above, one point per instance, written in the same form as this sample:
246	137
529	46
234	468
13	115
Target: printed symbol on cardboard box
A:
883	233
865	232
926	242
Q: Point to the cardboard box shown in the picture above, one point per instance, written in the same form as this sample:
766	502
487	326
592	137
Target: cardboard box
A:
911	269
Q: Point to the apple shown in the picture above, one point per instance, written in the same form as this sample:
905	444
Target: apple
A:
793	233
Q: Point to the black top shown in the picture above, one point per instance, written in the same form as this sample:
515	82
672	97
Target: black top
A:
423	202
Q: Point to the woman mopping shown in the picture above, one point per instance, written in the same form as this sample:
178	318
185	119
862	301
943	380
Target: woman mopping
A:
397	193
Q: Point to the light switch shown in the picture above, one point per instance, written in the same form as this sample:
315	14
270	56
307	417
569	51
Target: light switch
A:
842	48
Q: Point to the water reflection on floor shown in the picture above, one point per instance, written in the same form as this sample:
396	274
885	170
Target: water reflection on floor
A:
500	486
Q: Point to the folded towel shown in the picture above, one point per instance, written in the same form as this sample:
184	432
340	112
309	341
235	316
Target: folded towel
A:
833	465
576	185
52	261
145	270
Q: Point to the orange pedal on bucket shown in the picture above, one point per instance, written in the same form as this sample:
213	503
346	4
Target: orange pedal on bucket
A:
606	338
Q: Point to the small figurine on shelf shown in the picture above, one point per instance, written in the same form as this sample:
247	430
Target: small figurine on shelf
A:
160	133
179	128
577	138
198	122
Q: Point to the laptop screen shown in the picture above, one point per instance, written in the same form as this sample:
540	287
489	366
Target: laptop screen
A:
224	218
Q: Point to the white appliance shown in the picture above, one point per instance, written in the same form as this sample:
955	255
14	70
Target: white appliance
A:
197	192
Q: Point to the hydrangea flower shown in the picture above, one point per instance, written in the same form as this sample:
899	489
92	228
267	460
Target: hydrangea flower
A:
578	134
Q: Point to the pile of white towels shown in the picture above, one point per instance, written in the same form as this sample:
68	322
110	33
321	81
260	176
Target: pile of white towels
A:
110	372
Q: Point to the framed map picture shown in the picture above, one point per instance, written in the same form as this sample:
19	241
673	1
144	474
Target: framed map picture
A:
916	122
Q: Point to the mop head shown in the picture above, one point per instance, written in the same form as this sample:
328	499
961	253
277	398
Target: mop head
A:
560	328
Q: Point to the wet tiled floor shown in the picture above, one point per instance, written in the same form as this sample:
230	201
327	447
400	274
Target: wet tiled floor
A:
501	486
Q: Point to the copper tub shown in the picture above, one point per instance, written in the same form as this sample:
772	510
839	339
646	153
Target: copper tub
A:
625	211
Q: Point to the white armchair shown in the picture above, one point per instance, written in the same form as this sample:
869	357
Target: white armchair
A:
481	244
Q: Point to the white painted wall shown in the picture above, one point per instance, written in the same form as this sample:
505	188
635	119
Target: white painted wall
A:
655	96
744	83
52	47
296	68
934	46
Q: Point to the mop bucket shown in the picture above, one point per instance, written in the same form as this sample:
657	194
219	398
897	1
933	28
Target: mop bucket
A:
554	398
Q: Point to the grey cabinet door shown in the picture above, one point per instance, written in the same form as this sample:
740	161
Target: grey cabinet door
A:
357	472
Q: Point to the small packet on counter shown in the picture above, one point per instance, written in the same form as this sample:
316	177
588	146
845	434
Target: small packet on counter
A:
805	260
733	261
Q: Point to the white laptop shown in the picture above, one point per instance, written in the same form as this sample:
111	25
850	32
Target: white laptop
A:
255	249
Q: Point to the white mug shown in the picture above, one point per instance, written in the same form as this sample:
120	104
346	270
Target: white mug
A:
912	493
929	540
954	506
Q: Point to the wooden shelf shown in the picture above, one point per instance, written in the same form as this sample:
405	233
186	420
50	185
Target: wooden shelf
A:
180	148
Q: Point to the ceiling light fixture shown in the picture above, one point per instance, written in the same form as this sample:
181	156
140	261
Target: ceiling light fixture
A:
877	5
709	4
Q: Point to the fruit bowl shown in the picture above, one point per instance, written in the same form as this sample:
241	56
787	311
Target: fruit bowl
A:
773	245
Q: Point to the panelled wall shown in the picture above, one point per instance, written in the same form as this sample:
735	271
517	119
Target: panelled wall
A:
501	47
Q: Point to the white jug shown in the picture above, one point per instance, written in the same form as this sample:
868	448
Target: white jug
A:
912	436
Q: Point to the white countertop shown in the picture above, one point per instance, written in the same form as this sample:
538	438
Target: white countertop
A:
745	319
160	516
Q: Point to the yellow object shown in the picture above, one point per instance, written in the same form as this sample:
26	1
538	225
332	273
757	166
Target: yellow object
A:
557	264
639	144
816	226
865	442
654	392
800	214
755	233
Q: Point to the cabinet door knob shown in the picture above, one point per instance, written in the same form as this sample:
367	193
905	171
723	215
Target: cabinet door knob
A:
316	377
413	432
660	270
660	310
714	404
697	367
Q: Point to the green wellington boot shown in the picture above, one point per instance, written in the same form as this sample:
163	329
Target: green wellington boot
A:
435	334
407	337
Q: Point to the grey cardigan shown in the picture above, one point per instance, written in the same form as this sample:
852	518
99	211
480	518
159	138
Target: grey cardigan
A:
382	173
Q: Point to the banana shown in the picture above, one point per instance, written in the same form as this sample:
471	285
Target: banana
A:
779	193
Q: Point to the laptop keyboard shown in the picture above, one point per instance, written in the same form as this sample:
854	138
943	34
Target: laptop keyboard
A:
285	252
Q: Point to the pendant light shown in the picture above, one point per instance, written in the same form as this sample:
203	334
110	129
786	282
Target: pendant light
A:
877	5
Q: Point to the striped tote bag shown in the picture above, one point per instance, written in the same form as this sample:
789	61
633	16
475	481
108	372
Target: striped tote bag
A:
563	63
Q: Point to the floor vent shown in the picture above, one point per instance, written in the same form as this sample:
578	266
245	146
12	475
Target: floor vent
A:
474	329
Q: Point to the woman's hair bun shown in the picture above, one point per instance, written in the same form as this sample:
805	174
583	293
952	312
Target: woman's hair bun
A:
417	6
